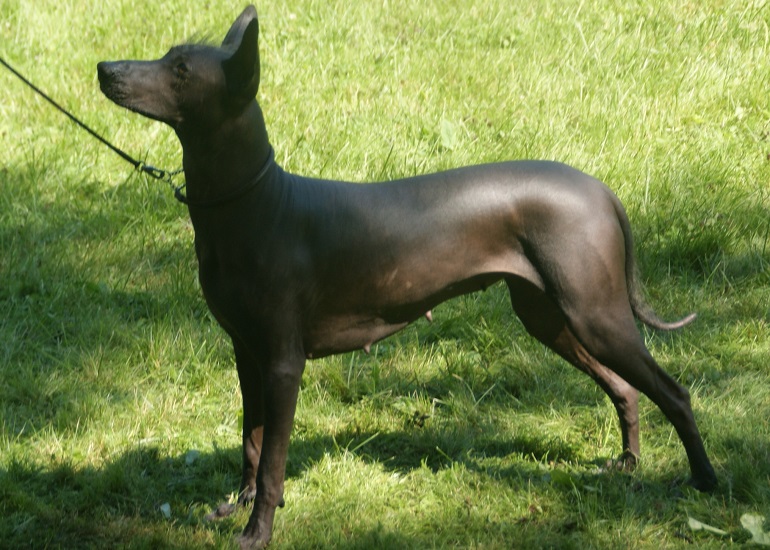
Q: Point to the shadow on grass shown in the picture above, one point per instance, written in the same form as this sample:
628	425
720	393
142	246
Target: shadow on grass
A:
69	507
75	295
123	501
701	224
405	450
64	314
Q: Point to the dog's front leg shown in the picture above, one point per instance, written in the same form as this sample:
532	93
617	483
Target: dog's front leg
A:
252	393
282	379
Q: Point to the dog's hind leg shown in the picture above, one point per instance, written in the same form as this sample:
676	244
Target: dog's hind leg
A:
545	321
581	256
614	341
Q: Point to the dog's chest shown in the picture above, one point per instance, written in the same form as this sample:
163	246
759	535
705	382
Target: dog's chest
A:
229	279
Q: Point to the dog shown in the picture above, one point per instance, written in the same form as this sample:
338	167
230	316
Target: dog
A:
295	268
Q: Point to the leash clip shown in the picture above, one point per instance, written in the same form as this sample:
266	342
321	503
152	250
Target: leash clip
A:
156	173
166	176
179	193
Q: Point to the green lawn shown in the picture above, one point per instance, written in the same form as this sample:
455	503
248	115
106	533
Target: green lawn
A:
119	402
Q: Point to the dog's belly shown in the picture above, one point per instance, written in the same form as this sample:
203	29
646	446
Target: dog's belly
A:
358	326
348	334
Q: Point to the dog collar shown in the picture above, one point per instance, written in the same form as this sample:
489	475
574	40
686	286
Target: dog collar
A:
232	195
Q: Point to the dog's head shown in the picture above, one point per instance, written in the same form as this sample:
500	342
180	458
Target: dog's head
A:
192	85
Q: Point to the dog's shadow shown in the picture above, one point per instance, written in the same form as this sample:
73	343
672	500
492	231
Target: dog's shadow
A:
402	451
141	490
93	503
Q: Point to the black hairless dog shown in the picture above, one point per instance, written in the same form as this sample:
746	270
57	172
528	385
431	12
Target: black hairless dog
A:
296	268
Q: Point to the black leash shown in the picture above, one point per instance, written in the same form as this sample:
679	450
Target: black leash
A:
156	173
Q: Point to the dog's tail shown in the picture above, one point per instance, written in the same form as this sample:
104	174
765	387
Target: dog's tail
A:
639	305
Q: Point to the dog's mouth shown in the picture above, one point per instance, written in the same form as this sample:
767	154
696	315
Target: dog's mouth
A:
119	96
115	85
114	93
111	84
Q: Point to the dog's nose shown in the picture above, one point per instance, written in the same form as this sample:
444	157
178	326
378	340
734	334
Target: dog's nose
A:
104	70
109	77
109	71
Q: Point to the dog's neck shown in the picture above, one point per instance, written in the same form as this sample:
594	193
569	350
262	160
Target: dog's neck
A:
219	160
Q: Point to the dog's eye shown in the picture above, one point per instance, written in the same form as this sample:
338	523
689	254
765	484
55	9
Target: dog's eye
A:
181	69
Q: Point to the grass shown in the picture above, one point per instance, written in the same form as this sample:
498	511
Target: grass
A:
118	393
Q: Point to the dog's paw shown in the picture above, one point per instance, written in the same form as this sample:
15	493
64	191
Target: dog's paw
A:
626	462
247	496
251	543
222	511
704	484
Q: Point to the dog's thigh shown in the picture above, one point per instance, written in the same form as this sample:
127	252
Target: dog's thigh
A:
544	320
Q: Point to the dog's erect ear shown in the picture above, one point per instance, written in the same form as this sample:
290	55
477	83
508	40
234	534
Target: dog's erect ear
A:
242	67
234	35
